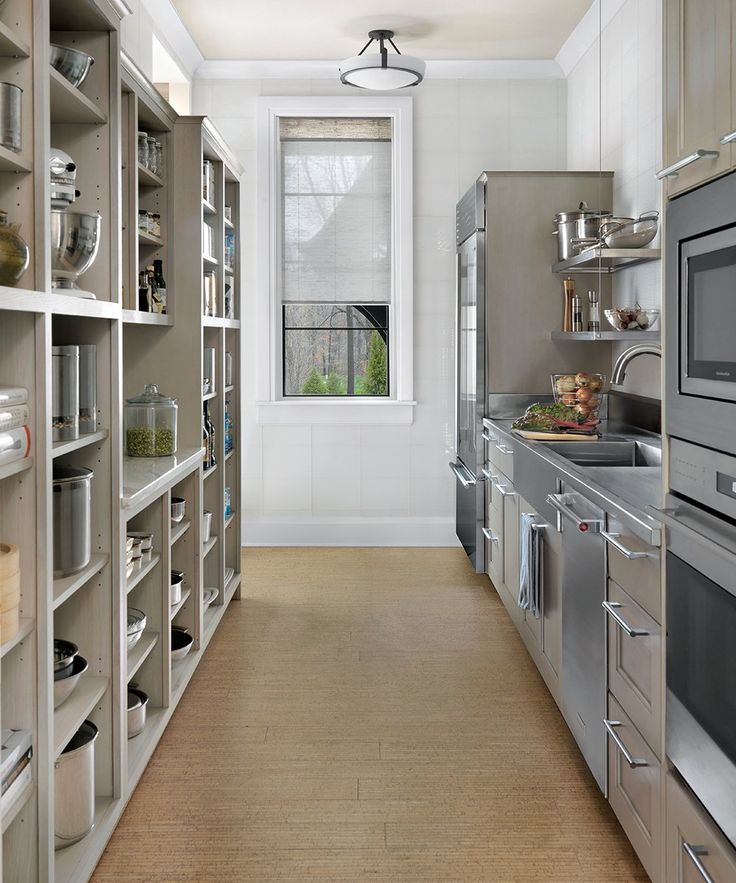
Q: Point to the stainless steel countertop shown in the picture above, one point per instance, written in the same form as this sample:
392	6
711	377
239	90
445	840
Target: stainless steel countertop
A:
625	492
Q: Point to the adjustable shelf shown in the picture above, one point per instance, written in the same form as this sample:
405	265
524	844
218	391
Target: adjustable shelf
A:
69	105
147	178
66	586
622	336
60	448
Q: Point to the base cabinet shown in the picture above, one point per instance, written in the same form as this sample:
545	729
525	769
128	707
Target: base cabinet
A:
696	851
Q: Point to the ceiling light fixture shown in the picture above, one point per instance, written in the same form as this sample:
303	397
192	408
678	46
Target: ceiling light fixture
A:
385	70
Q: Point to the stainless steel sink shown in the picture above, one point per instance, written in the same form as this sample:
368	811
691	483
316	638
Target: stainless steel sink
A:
609	453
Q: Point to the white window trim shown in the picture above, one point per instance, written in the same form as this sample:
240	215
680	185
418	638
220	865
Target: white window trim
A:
271	406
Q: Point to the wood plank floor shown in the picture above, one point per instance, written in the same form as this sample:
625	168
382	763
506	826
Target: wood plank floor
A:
362	715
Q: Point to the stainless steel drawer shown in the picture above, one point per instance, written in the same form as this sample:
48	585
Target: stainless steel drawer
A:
635	788
499	453
635	661
636	567
493	532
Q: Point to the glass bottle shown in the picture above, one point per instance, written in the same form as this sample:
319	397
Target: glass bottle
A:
212	436
144	292
205	439
161	293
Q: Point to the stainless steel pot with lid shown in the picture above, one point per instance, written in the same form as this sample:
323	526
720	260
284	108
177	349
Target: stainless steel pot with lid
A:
578	229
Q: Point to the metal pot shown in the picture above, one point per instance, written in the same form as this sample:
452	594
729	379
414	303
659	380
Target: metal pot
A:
630	232
181	642
178	508
72	517
177	580
64	654
75	239
64	687
10	116
74	788
137	702
72	64
577	229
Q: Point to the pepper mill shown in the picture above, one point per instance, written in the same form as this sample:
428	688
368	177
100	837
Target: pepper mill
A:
569	288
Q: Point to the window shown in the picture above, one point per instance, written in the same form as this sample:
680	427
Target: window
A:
335	255
335	264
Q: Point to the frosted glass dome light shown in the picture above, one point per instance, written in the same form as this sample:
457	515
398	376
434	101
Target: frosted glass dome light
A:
383	70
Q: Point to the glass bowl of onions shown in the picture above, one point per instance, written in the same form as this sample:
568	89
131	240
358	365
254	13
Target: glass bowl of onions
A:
632	318
581	392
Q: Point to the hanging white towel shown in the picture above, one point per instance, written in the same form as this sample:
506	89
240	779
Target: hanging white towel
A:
531	564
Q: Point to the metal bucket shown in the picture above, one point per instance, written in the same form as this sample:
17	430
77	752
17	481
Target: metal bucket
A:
74	788
10	119
72	494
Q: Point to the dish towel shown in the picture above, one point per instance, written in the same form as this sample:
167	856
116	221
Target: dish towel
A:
530	576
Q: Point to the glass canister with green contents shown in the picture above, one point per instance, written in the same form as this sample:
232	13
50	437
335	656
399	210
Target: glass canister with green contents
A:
150	424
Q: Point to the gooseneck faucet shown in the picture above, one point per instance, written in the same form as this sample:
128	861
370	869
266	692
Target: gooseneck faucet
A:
622	362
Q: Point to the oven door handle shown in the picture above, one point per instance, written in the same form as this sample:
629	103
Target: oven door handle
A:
632	761
694	853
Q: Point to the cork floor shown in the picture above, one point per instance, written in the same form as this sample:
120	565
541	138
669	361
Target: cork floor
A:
367	715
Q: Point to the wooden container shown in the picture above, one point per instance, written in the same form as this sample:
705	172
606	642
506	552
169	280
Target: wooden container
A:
9	591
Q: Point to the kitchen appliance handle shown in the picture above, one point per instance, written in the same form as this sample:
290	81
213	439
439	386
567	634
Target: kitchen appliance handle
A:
632	761
694	853
464	481
489	535
584	525
728	138
613	540
504	449
487	474
491	439
701	153
612	608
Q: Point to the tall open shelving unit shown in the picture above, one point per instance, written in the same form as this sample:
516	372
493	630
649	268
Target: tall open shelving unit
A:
97	125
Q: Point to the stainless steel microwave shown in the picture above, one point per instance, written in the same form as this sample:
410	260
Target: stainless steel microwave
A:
700	316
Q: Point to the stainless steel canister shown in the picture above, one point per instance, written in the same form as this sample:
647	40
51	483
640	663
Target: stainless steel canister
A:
74	788
87	387
65	392
72	517
10	116
228	369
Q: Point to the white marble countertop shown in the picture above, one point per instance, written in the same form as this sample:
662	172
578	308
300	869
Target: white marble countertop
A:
149	477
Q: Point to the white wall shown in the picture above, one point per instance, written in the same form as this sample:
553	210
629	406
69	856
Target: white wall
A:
618	79
374	484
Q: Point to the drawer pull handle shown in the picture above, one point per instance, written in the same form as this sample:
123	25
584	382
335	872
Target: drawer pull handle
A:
694	853
613	540
489	535
612	608
504	449
486	474
632	761
463	475
491	439
502	489
729	138
671	171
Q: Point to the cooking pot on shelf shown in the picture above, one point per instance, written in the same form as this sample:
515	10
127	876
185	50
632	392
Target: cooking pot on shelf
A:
577	230
630	232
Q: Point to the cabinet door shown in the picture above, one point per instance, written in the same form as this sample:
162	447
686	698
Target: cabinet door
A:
511	553
550	644
692	839
495	545
697	88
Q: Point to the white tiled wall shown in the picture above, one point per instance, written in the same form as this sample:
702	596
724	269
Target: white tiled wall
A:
372	483
618	80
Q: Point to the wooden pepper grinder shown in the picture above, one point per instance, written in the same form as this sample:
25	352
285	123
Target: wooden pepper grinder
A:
569	288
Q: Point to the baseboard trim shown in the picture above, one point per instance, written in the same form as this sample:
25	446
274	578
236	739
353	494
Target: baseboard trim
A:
270	530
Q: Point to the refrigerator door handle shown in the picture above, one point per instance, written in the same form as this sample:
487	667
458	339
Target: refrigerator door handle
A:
463	475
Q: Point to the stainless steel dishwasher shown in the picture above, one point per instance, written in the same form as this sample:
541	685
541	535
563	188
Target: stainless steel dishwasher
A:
583	624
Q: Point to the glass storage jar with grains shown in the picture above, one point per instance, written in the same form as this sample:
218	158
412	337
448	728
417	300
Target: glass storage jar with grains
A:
150	424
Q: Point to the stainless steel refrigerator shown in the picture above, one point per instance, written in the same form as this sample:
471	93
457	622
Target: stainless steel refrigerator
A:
470	372
509	301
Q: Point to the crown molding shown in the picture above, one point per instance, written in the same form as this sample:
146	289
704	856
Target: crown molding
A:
172	32
511	69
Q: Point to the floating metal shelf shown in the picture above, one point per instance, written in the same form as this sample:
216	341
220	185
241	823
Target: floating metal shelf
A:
606	260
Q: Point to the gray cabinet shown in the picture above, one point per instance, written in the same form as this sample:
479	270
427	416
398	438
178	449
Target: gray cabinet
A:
695	849
698	111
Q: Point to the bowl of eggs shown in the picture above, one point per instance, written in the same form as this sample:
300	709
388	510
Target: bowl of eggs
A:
581	392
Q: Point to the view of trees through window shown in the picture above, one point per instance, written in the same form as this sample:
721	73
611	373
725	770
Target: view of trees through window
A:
335	350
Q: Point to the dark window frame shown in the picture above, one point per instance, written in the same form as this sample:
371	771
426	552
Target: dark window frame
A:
364	309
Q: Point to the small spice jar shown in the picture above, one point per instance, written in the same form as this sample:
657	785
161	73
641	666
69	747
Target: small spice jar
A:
150	424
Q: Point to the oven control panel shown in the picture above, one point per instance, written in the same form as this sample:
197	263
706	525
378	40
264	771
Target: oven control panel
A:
706	476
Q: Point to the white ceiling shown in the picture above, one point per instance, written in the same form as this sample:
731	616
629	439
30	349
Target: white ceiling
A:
432	29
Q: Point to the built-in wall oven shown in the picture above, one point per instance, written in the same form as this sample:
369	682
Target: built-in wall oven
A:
700	512
701	657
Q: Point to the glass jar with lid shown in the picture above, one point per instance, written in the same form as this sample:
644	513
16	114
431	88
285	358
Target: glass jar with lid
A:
143	148
151	155
150	424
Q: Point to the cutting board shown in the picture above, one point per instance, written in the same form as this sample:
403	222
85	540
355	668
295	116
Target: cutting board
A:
555	436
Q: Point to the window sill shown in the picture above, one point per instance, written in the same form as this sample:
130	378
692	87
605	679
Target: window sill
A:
389	412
